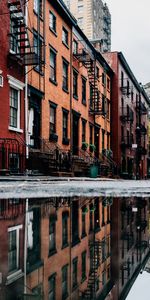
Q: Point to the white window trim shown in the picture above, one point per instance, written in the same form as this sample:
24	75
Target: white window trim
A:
17	85
18	273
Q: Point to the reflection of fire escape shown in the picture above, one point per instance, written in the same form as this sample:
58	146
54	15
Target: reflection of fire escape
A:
20	47
95	105
95	248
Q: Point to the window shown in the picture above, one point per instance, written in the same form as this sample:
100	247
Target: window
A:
103	215
14	44
91	217
65	124
65	36
96	214
80	8
38	7
83	91
65	229
75	47
15	111
52	65
14	98
52	21
38	49
65	76
13	248
52	119
83	131
64	282
103	249
103	139
75	84
103	104
52	287
80	22
91	134
83	265
75	272
83	222
52	234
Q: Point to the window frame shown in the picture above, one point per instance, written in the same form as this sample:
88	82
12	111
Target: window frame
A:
19	86
65	77
16	271
75	84
52	107
53	67
53	22
65	36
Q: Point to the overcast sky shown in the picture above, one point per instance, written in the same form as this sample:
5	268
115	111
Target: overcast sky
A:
131	34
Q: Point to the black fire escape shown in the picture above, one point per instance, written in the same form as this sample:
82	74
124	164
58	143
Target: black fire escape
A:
20	47
95	102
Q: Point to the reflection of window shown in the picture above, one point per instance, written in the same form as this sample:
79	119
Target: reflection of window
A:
52	21
52	287
64	229
13	248
52	233
83	265
30	230
52	65
64	282
83	222
74	272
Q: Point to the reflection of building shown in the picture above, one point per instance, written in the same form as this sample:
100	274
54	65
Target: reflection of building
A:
12	218
129	118
94	19
70	247
65	244
131	247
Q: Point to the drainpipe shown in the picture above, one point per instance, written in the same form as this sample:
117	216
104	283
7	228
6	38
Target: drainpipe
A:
71	125
26	95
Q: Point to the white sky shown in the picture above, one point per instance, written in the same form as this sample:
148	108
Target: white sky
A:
131	34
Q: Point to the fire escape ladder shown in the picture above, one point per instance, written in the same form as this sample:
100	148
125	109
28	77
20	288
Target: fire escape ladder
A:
19	35
95	248
95	105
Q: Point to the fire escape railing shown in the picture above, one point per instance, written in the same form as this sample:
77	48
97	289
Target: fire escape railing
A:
20	46
95	102
127	114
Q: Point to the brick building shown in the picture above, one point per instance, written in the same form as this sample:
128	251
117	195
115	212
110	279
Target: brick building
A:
75	86
129	119
74	252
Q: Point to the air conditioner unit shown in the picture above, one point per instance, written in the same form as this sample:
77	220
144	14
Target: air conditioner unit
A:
1	81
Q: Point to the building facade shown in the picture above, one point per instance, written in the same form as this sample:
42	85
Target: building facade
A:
94	19
69	98
130	106
12	83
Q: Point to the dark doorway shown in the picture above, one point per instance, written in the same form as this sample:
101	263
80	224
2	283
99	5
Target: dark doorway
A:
75	142
96	141
35	122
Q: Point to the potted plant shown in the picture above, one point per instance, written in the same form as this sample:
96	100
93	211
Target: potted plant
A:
84	146
92	147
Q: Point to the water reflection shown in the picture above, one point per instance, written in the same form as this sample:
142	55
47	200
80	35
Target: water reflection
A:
72	248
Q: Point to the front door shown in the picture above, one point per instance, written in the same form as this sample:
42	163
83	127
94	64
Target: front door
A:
75	134
34	126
